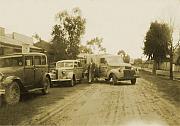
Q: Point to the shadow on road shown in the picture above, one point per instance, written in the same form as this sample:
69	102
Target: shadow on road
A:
34	103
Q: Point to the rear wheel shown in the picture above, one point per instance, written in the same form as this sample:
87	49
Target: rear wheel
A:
12	93
46	85
133	81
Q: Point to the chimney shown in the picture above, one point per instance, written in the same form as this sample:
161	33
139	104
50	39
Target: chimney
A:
2	31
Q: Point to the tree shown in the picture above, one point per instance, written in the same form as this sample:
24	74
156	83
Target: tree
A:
157	43
85	49
67	33
138	61
95	45
124	55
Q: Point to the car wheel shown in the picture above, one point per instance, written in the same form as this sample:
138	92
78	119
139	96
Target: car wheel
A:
133	81
46	85
12	93
72	82
113	79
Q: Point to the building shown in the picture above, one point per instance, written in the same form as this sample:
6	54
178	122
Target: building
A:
16	43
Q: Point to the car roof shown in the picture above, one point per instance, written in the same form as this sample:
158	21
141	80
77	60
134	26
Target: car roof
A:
68	61
20	54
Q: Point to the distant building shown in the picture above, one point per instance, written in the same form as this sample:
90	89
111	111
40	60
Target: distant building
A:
16	43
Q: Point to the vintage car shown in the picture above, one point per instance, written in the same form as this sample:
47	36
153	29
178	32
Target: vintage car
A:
67	71
112	68
23	72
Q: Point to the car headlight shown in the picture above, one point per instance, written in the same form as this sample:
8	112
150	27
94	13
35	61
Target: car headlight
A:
1	76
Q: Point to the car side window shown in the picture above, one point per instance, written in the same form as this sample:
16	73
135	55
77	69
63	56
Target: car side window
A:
37	60
28	60
43	60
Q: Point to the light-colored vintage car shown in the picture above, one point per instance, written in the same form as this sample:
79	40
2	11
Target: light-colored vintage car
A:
67	70
113	69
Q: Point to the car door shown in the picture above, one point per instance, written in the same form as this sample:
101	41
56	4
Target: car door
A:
79	70
40	69
29	74
103	68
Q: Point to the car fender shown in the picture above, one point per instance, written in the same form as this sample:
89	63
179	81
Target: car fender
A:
116	72
8	80
70	75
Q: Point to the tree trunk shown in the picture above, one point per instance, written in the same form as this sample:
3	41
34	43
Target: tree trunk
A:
154	67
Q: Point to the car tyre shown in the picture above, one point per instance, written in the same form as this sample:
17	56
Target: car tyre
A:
46	86
12	93
72	82
133	81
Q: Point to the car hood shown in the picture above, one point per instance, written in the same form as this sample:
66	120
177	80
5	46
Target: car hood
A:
65	68
9	70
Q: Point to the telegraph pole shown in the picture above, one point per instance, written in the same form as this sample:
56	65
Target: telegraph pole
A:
171	51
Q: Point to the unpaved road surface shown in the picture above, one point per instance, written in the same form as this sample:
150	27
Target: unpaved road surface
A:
102	104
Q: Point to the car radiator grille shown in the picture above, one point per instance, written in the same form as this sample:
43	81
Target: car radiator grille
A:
129	73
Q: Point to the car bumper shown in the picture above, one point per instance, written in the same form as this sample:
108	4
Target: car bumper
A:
60	80
128	77
2	91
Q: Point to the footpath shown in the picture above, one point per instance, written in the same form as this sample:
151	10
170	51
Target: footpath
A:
163	73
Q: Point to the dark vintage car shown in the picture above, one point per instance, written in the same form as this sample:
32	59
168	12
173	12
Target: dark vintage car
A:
23	72
113	69
67	71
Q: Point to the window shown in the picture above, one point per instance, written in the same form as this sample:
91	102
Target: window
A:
43	60
11	62
28	60
37	60
68	64
59	64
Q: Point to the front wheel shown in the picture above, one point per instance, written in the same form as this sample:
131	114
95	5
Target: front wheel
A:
46	85
72	82
12	93
133	81
113	79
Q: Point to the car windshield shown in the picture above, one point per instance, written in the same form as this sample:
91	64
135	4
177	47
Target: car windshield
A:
11	62
114	61
64	64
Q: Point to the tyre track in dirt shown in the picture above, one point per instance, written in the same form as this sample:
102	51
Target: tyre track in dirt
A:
56	109
122	104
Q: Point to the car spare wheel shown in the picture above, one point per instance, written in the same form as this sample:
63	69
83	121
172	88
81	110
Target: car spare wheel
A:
46	86
12	93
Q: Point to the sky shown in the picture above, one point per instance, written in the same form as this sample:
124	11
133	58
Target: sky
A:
121	23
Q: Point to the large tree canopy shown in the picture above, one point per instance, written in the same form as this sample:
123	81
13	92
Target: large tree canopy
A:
157	41
67	34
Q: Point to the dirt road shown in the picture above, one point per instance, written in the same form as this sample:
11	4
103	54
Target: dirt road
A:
103	104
